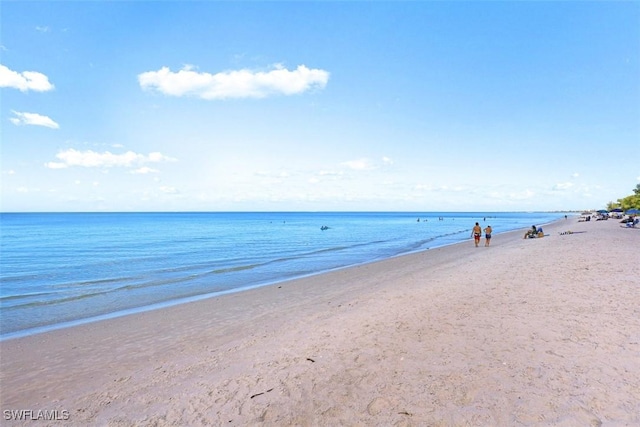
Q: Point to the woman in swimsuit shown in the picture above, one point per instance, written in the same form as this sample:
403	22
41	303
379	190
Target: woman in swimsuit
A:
487	235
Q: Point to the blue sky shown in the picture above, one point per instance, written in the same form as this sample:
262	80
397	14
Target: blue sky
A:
252	106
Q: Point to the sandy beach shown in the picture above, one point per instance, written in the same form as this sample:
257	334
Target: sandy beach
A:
526	332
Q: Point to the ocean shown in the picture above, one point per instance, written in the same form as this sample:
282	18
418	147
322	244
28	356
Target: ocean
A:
61	269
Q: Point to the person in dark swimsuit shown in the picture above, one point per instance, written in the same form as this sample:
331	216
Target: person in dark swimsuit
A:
487	235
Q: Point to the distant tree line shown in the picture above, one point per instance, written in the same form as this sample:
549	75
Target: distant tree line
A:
626	203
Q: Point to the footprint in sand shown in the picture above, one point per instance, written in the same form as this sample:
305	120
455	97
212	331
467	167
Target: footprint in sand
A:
378	405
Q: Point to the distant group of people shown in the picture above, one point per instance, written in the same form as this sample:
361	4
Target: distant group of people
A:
476	233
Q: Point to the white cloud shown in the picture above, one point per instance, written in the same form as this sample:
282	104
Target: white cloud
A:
233	84
54	165
169	190
25	81
364	164
359	164
423	187
144	170
92	159
562	186
273	176
329	173
33	119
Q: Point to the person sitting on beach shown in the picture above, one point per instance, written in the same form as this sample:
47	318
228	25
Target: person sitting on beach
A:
533	232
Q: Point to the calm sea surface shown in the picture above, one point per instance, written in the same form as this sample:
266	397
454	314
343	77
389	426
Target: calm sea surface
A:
58	269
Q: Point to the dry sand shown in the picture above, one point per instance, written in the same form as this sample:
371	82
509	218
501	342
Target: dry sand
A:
536	332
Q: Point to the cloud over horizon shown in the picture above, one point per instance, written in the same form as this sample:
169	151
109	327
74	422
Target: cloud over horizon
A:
233	84
92	159
365	164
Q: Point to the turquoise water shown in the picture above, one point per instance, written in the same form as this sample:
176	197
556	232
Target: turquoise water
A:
64	268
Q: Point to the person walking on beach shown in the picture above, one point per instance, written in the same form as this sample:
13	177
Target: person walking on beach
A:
487	235
476	233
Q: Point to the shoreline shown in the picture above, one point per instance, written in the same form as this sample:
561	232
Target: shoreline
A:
189	299
525	332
